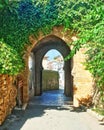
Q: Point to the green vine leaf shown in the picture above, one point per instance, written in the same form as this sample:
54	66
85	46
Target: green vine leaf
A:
20	19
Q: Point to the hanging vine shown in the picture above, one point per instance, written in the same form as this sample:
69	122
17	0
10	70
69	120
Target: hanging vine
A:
21	18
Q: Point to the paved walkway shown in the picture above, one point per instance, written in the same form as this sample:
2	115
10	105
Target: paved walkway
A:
51	111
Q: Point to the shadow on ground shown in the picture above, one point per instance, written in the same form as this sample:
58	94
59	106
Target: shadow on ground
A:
48	106
51	100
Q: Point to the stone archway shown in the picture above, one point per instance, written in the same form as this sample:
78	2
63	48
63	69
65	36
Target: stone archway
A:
82	81
39	50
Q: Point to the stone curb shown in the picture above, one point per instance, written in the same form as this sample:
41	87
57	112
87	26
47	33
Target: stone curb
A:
21	108
96	115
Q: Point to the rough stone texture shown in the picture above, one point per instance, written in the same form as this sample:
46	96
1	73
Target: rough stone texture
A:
8	94
50	80
82	79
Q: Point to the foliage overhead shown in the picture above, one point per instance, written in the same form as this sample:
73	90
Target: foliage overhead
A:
10	62
21	18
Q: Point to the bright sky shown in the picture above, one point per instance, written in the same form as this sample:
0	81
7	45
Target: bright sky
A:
52	53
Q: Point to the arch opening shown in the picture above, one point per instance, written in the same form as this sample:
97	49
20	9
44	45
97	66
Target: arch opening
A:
53	64
39	51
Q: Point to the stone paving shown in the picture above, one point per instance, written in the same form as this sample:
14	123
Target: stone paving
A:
51	111
52	98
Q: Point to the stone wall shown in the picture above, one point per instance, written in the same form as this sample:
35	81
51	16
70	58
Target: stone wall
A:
50	80
8	93
82	80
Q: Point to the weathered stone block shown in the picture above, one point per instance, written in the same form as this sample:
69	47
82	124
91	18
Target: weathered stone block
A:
7	98
50	80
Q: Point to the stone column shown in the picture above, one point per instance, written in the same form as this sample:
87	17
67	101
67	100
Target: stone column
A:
38	77
68	78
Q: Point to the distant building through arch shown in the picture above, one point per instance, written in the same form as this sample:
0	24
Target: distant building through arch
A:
54	61
40	49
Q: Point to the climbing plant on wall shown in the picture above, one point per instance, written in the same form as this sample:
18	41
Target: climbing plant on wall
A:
10	61
21	18
3	3
91	35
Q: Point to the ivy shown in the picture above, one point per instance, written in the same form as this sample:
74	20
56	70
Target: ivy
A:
21	18
3	3
10	61
90	31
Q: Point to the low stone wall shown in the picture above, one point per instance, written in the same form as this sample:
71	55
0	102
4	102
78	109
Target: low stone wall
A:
50	80
8	93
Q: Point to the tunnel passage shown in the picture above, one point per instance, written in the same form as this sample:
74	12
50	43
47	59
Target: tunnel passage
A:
38	51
